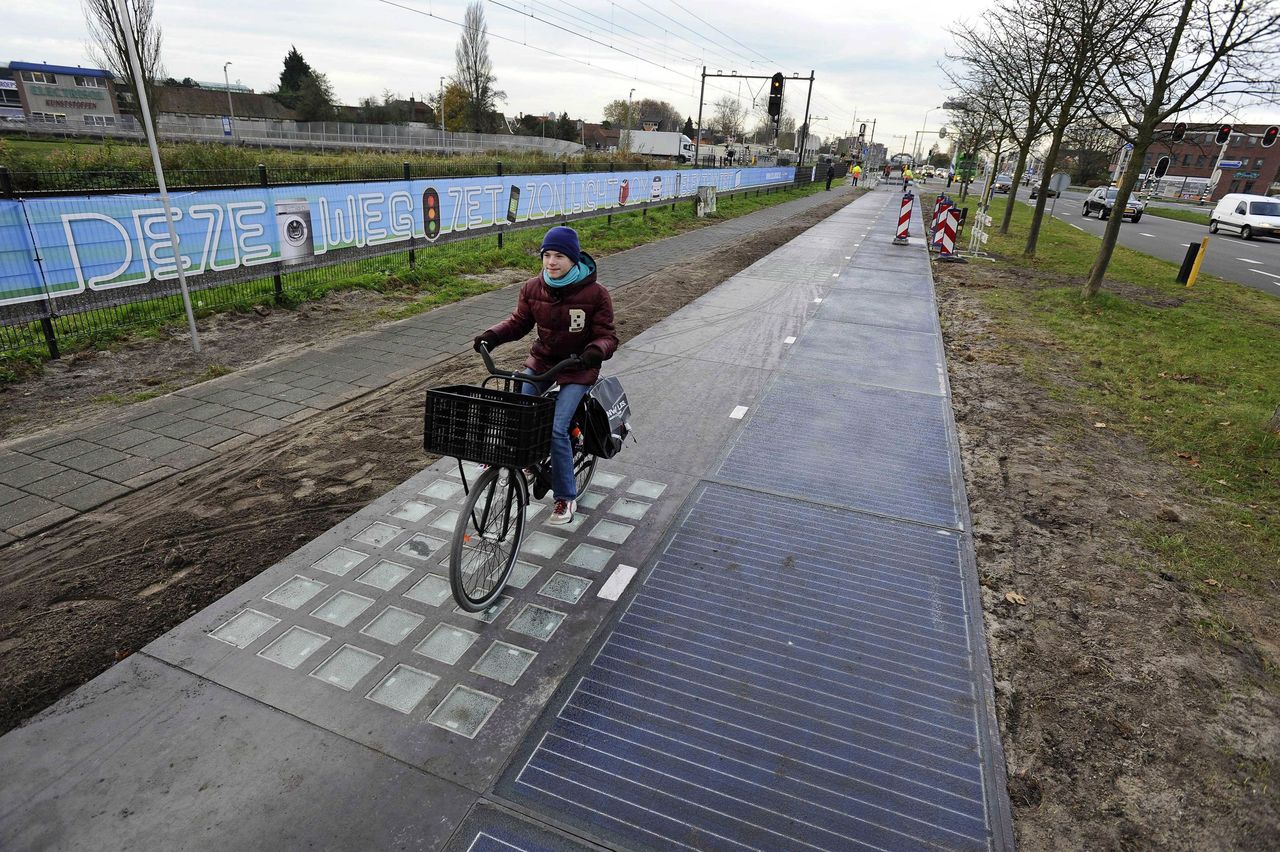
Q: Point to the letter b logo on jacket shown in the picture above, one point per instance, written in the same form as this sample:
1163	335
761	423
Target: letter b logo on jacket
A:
577	319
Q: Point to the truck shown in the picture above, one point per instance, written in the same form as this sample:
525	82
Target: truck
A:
655	143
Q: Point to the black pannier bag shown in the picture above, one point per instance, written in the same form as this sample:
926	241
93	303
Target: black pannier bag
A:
607	416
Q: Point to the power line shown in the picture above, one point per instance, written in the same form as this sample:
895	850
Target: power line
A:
722	32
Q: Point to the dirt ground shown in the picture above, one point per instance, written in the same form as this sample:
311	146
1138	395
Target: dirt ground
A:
1124	725
86	594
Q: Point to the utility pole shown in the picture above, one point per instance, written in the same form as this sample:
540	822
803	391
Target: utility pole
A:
804	139
231	111
141	88
697	145
440	117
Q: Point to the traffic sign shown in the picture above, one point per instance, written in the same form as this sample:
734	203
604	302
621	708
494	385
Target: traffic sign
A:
1059	182
1229	164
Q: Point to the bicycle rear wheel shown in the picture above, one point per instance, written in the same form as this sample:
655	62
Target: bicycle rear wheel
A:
487	538
584	464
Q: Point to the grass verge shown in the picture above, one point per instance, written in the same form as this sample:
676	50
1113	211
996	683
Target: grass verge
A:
1193	373
1200	217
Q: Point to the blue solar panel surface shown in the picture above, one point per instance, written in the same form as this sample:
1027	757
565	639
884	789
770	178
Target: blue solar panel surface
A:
797	683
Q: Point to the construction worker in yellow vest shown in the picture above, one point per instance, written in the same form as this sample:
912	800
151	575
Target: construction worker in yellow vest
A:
857	173
907	177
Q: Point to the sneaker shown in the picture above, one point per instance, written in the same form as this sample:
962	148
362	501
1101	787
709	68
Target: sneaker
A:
563	513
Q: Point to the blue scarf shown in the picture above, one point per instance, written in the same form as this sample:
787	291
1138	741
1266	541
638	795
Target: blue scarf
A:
573	276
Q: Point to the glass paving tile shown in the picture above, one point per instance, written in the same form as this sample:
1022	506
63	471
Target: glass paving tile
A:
422	546
442	489
293	646
244	627
489	614
431	590
464	711
392	625
532	510
590	557
611	531
295	591
521	574
504	662
541	544
565	587
645	488
346	666
473	470
579	518
537	621
384	575
403	688
413	511
446	643
339	561
591	499
446	522
377	534
628	508
607	481
342	608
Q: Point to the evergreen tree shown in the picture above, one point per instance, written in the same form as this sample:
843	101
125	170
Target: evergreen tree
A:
567	128
687	130
295	71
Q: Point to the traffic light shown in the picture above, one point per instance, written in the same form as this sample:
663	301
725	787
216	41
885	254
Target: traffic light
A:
775	95
942	133
862	130
1224	133
1162	166
1179	130
1269	136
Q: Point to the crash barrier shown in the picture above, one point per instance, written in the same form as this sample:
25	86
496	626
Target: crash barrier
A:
904	220
73	255
950	226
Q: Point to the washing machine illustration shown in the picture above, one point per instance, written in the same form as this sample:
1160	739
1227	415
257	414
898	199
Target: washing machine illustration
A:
656	192
293	224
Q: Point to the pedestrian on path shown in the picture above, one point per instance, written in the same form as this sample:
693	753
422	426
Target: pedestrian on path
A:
831	173
857	173
573	313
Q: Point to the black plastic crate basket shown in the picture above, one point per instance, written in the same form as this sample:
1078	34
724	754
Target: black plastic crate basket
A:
488	426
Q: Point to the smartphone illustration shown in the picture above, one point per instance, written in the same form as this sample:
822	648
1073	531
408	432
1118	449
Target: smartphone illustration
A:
513	203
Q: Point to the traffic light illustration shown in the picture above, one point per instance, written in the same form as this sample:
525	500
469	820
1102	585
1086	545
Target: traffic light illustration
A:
431	214
1269	136
775	96
1179	130
1224	133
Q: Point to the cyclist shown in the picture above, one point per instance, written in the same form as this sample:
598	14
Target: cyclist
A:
574	316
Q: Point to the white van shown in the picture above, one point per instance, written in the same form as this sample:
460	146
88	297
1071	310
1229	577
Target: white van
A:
1252	215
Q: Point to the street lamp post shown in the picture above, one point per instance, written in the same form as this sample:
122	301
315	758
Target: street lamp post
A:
231	112
626	145
924	124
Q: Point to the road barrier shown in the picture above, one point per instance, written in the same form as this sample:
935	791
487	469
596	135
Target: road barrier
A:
947	237
904	220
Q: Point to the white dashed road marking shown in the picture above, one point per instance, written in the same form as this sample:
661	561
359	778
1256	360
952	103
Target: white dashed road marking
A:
1247	260
738	413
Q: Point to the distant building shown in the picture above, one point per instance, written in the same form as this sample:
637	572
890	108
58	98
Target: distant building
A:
1250	167
595	137
185	100
58	94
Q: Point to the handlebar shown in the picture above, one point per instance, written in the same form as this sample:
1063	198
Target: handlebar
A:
495	373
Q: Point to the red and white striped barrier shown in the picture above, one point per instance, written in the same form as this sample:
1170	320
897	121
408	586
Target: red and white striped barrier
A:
939	216
904	220
947	237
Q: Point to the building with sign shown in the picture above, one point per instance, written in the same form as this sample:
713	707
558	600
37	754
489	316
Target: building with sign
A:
1246	165
58	94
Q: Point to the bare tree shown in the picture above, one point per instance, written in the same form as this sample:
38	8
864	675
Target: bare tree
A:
728	116
1195	54
1088	145
109	48
1015	48
475	69
1097	39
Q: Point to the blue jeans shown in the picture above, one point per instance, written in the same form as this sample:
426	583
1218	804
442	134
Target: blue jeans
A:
563	485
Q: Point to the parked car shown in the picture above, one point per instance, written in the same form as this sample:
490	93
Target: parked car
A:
1252	215
1002	183
1103	201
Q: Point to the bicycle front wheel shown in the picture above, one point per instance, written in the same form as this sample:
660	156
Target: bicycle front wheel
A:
487	538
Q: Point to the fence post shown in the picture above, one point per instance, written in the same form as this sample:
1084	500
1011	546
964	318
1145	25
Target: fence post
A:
279	296
6	183
495	212
46	321
408	177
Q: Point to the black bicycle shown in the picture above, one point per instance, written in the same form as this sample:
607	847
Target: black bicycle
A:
510	434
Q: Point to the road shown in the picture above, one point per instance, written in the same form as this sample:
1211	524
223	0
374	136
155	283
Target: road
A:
1254	263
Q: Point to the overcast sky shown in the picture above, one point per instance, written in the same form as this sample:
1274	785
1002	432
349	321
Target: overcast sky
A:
870	61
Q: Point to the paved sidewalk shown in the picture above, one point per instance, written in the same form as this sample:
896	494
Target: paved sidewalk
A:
762	631
47	479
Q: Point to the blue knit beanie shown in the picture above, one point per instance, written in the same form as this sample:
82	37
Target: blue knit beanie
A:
563	240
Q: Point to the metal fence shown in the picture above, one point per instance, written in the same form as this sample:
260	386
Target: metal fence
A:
303	135
41	325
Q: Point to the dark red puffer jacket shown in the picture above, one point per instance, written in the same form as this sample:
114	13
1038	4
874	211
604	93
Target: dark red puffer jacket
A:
568	319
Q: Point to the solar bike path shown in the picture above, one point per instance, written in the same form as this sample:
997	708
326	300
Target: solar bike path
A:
340	700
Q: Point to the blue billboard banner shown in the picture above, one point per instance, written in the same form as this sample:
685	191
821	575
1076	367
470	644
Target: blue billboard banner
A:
102	243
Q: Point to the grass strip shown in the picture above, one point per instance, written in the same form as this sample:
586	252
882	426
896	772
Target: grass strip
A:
1192	372
1200	217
